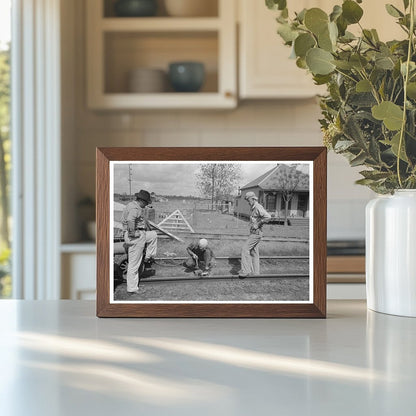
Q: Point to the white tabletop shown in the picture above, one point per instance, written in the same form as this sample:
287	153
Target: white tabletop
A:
57	358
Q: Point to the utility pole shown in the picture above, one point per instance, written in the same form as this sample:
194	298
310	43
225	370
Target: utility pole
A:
130	176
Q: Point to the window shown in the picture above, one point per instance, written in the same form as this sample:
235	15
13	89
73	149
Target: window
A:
5	145
271	202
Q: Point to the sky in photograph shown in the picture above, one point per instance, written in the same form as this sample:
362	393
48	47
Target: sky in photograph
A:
176	179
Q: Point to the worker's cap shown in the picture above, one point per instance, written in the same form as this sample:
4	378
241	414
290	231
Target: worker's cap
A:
250	195
203	243
144	196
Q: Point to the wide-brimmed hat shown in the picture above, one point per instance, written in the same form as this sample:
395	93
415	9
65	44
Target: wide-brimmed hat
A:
144	196
250	195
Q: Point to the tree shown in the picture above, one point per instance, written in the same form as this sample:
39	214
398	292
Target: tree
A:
218	180
289	179
4	141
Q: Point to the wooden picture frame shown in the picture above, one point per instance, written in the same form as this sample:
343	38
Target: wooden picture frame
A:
315	157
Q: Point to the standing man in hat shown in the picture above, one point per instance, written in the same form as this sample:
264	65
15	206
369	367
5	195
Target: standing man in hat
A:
202	257
250	258
136	236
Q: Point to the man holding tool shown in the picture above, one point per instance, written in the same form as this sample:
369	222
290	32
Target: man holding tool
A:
201	257
137	234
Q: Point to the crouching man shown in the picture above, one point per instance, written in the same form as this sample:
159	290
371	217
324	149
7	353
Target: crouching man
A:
201	257
136	237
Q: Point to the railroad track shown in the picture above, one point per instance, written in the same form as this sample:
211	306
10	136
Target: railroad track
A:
219	236
170	269
148	280
239	257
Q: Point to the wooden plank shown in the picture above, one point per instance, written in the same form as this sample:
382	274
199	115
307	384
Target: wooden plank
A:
165	232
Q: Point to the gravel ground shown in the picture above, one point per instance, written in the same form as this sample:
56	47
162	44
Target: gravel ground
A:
273	289
260	289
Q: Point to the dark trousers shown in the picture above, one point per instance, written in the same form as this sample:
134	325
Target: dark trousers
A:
205	261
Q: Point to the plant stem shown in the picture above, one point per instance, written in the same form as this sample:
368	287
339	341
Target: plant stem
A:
406	79
346	75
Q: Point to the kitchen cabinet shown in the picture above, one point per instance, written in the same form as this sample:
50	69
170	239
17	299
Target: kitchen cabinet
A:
265	70
118	45
78	280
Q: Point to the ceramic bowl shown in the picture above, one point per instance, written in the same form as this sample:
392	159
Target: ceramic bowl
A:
135	8
186	76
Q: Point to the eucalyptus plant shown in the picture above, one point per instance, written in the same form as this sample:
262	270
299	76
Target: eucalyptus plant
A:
369	111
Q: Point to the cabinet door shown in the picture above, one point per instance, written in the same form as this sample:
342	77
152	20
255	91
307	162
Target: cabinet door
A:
265	68
266	71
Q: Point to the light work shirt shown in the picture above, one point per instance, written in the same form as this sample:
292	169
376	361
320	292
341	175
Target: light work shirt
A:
133	212
258	215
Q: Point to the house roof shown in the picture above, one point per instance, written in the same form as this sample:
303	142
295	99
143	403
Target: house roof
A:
272	179
257	181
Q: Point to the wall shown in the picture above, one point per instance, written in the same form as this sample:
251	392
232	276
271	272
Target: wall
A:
253	123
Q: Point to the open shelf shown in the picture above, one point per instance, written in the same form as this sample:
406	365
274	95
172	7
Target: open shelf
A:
119	45
210	9
160	24
127	51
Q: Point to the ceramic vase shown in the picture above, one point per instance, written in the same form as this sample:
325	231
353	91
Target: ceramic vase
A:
391	253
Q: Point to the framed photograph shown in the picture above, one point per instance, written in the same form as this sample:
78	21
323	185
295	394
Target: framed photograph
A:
211	232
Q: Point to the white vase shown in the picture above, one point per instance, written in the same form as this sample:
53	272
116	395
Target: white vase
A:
391	253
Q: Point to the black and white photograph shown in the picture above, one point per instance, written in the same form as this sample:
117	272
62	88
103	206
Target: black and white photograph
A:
221	232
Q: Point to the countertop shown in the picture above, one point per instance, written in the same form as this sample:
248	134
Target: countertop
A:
57	358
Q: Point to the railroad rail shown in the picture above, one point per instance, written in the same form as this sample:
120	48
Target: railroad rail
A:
239	257
219	236
220	277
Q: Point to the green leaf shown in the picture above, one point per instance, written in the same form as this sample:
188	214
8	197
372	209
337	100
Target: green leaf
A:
347	37
276	4
384	62
391	114
412	67
394	143
333	32
336	12
325	42
374	175
365	182
316	20
375	35
411	90
359	160
368	36
321	79
345	65
358	61
343	145
319	61
287	33
301	63
353	131
301	15
303	43
406	4
363	86
393	11
351	11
